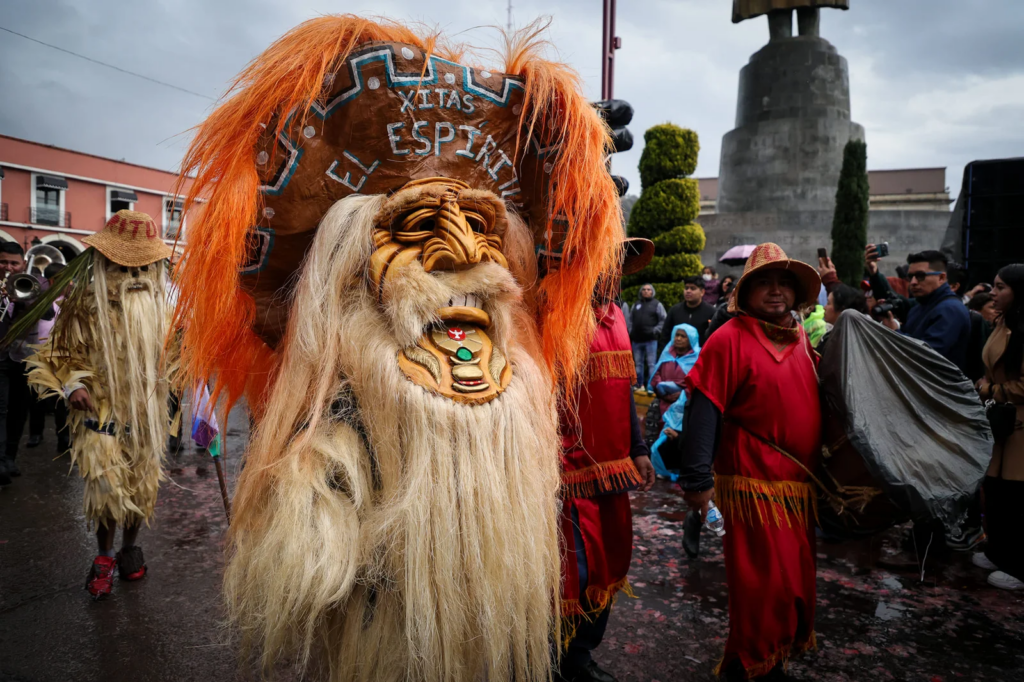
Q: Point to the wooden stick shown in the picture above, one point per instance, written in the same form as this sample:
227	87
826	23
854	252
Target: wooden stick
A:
223	488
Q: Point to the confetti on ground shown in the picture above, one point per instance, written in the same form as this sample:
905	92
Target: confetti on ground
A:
873	624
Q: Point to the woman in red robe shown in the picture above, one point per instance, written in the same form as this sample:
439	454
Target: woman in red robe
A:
756	415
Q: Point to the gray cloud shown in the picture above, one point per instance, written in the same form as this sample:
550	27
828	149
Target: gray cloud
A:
935	82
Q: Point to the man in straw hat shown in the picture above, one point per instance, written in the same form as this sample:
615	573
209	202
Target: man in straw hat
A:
104	356
365	267
754	412
603	457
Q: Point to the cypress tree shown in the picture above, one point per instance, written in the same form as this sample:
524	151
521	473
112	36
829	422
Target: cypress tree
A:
850	221
665	212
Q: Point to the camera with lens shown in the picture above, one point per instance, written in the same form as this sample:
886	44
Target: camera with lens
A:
881	311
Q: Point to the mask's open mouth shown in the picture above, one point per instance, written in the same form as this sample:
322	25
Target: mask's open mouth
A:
462	336
135	286
468	308
457	354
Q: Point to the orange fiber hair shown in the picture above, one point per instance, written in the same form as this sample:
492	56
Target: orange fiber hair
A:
224	198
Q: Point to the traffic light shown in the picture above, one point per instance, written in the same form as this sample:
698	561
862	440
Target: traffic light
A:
618	113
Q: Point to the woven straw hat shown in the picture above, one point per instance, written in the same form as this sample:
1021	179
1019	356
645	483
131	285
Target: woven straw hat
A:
130	238
769	256
637	253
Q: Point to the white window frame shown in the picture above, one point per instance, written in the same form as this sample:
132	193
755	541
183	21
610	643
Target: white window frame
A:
32	199
168	199
131	204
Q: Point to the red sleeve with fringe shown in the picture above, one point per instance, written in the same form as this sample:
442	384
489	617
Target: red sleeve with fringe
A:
596	440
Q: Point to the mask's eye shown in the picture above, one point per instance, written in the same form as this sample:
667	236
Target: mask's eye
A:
144	268
477	222
124	268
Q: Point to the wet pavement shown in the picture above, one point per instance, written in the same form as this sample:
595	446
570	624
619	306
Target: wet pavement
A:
873	625
163	628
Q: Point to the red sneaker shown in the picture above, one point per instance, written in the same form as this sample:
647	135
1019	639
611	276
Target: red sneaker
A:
130	563
101	576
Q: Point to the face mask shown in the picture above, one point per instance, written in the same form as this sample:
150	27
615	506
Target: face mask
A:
707	277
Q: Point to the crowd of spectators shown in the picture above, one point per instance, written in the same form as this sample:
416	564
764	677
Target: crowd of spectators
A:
980	330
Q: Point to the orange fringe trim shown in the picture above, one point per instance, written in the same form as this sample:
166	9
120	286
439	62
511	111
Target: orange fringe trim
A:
613	364
781	656
598	598
602	477
740	497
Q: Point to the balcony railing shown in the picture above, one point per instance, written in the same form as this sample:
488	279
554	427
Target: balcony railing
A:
3	211
48	215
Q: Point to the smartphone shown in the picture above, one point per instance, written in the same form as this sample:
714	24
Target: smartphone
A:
822	253
883	249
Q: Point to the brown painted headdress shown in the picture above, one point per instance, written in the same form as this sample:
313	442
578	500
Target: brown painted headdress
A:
343	105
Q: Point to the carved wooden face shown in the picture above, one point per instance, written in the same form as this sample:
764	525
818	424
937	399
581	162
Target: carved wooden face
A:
442	229
446	228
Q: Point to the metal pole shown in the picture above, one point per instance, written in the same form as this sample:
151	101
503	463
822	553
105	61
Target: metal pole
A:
613	44
609	43
605	45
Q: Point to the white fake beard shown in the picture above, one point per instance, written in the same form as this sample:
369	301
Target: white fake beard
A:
434	556
132	353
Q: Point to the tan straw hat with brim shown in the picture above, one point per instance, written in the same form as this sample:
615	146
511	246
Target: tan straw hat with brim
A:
769	256
130	238
637	252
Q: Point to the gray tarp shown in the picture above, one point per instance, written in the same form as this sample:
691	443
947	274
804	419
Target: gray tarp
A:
913	417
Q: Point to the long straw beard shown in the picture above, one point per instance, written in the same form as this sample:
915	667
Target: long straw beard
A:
393	533
138	390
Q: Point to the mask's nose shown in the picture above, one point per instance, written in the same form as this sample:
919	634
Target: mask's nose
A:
454	244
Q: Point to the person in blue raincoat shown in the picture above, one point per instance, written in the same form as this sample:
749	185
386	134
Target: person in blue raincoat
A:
668	383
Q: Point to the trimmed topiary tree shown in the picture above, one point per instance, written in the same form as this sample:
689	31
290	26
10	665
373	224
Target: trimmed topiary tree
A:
665	212
850	221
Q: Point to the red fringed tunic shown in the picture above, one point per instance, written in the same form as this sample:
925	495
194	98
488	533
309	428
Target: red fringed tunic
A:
597	471
763	380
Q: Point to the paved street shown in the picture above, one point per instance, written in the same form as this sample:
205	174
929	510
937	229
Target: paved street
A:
873	625
163	628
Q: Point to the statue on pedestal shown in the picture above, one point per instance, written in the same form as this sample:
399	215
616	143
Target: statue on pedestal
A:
780	14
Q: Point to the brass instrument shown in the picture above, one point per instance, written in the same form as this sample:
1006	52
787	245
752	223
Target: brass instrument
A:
24	287
5	300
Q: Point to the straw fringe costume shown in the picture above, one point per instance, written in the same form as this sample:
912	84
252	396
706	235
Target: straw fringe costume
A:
121	478
107	347
390	215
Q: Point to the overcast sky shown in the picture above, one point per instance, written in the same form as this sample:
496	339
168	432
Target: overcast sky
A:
934	82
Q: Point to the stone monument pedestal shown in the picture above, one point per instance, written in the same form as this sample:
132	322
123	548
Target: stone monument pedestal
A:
792	122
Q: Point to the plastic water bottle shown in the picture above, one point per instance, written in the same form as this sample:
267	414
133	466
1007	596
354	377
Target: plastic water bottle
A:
714	521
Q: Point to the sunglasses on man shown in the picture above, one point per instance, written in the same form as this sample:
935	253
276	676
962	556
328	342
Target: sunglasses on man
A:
920	276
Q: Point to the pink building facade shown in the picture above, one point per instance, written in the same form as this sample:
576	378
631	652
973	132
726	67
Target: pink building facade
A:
59	196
